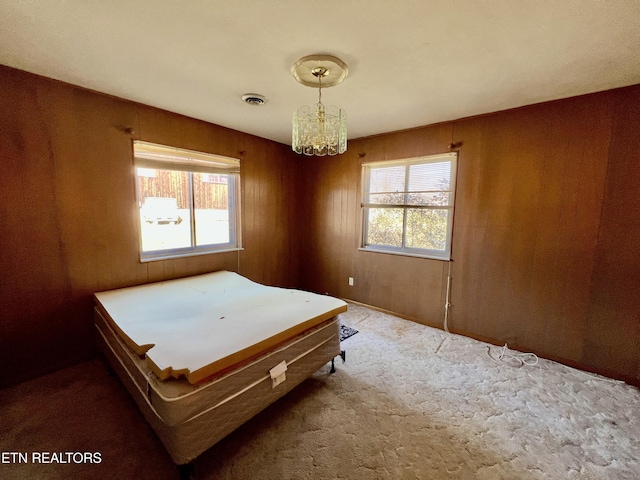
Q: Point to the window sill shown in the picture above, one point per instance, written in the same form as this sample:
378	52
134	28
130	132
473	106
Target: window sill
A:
170	255
405	254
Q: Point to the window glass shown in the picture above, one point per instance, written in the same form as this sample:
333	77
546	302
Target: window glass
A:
211	208
188	201
408	206
164	207
385	227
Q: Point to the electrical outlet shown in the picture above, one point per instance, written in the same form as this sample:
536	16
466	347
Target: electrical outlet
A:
351	281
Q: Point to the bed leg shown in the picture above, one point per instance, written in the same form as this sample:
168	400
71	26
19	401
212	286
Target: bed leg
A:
343	355
187	471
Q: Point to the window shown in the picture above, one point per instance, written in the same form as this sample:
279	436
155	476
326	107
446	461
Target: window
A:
408	206
188	201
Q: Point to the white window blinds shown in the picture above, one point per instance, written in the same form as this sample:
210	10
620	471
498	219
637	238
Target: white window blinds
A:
148	155
407	206
418	182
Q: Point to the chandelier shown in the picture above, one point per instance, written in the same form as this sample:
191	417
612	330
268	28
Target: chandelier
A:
319	130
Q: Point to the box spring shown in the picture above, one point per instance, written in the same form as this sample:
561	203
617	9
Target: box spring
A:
189	419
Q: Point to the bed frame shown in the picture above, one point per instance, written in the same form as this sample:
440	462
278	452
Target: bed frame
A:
190	418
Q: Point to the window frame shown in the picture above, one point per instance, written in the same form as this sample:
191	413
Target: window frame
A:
162	157
366	204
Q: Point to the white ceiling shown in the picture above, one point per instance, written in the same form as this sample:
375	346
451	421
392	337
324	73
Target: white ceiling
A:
411	62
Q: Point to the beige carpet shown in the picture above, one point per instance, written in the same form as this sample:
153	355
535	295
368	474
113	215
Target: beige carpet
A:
410	402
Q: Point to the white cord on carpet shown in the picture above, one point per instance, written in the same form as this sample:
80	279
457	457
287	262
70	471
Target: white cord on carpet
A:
447	302
513	359
441	343
519	359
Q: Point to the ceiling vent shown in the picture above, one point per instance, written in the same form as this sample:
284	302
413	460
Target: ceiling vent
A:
255	99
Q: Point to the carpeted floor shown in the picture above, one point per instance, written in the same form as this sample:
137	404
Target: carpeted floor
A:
411	402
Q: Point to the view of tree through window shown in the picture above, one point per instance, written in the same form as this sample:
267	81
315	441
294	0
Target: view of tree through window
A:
408	205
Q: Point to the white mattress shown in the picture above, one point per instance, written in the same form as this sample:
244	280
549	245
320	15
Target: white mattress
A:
196	327
299	330
189	419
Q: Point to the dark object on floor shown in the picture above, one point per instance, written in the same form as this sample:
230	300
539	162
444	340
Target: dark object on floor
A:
343	355
346	332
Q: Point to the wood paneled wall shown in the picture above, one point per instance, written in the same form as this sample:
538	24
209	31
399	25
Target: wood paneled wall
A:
531	193
545	243
612	336
330	255
546	231
68	211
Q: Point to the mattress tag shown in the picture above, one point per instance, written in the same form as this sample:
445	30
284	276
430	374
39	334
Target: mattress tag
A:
278	374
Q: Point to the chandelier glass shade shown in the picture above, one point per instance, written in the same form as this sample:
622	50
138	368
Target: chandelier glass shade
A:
319	130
